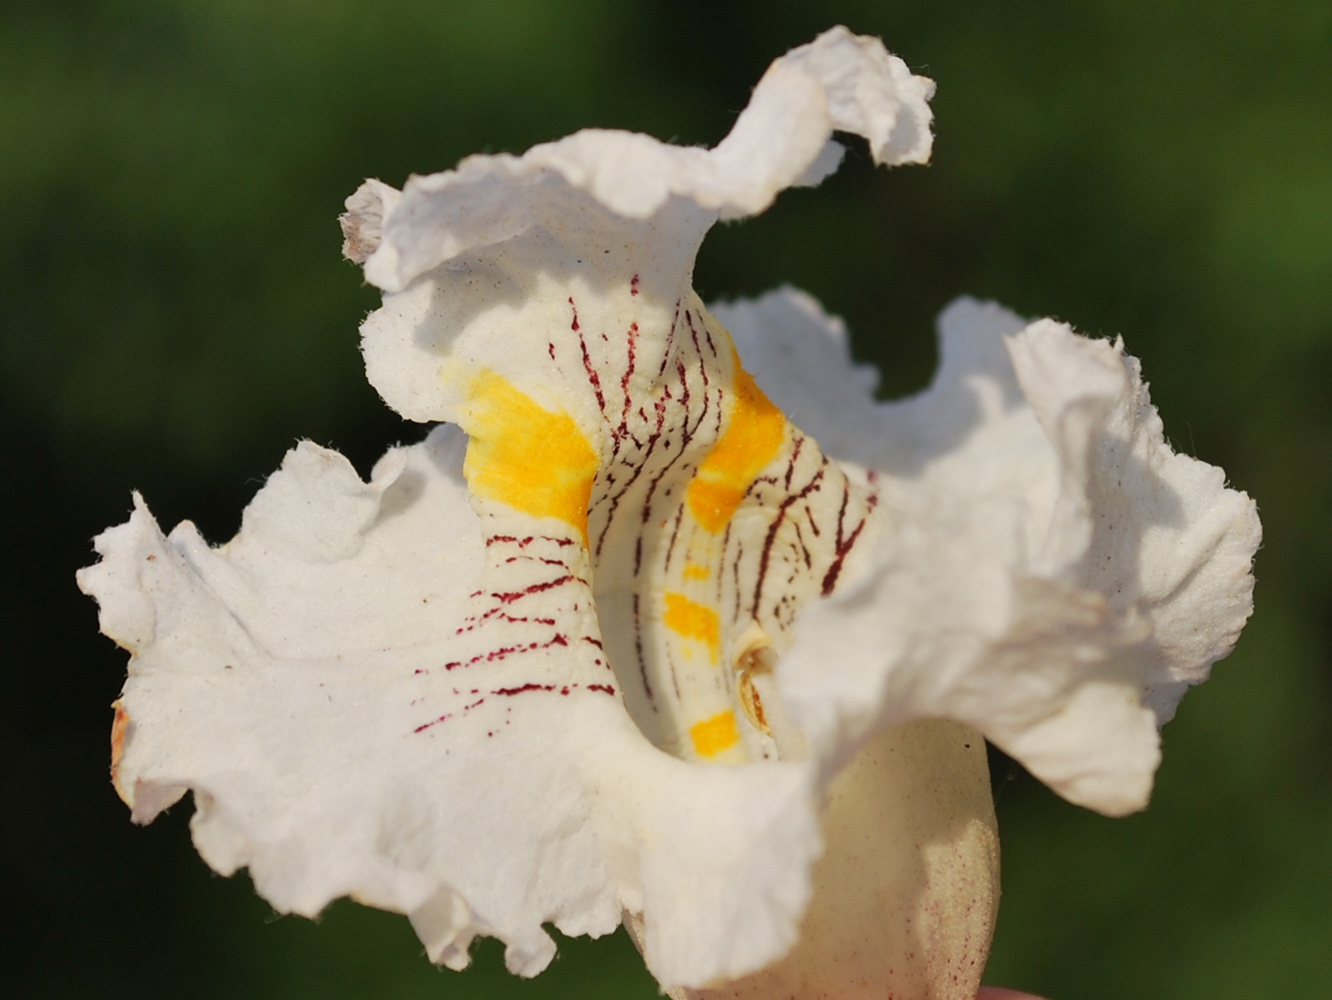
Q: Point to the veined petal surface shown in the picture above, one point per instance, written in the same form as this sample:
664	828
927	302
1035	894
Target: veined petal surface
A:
332	687
1049	570
604	569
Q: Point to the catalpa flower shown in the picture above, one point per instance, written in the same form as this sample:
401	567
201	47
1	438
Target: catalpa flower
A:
669	622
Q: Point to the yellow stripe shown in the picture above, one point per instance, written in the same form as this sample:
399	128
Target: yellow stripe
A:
535	460
712	736
693	621
751	440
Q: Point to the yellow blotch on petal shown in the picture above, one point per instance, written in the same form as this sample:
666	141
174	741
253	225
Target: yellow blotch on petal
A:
712	736
535	460
752	439
696	571
693	621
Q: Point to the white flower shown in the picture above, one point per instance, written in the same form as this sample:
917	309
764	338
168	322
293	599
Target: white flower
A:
492	687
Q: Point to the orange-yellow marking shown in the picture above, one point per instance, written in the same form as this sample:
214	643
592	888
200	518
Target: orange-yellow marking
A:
535	460
119	730
711	736
751	440
693	621
696	571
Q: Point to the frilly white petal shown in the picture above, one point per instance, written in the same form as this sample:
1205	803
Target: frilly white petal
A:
802	358
839	81
303	682
1050	572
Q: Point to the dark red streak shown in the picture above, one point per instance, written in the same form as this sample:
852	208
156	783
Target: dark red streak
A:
536	588
766	554
592	375
524	542
830	578
432	722
510	692
638	648
504	652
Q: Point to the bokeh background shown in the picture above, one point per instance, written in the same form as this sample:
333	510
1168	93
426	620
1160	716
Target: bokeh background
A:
174	314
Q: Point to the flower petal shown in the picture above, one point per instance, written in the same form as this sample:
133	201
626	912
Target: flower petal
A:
1051	573
361	708
838	82
490	264
543	304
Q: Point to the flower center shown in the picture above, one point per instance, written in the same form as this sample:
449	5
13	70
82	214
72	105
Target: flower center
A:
706	520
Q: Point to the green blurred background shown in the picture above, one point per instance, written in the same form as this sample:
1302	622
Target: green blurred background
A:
174	314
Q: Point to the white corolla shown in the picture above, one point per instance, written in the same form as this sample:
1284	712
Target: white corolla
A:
669	622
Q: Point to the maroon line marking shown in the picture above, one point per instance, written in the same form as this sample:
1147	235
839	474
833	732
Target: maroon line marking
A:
686	435
592	375
620	433
508	597
800	540
675	534
797	442
524	557
841	516
735	583
843	548
504	652
756	486
667	349
476	621
614	500
633	285
638	649
523	688
631	341
813	525
735	574
693	335
766	554
684	388
522	543
587	360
